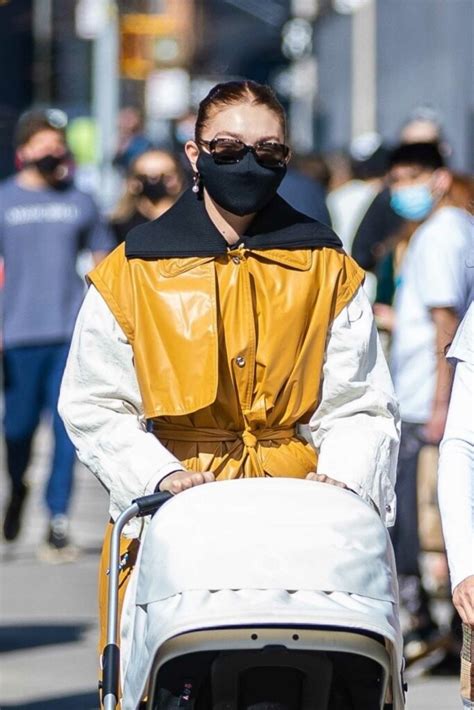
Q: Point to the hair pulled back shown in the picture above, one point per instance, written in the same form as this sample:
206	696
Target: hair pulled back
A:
230	93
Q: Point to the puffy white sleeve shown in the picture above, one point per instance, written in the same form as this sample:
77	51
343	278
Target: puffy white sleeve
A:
356	427
101	407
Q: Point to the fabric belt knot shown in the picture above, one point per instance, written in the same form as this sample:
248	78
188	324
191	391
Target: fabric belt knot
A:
249	439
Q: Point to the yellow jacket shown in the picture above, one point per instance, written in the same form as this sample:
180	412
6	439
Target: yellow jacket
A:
229	344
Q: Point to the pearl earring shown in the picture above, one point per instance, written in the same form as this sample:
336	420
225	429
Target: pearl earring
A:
195	187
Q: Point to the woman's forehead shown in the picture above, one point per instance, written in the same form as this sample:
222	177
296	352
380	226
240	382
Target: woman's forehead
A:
250	122
47	137
409	172
160	162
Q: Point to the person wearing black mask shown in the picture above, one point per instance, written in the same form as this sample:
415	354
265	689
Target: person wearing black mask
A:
45	222
215	331
154	183
44	155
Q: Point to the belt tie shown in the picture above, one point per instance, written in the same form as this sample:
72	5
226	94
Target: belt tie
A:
248	438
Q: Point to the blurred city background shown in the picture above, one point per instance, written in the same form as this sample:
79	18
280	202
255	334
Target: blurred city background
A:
126	77
340	67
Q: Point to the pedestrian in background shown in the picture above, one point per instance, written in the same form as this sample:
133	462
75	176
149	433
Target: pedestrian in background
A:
380	222
456	493
154	183
388	270
349	202
45	222
433	295
132	140
305	191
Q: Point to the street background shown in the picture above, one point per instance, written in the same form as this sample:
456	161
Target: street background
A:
340	67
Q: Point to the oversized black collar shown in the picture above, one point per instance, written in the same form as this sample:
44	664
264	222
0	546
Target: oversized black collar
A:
186	230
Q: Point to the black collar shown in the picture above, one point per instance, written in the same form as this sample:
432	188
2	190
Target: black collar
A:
186	230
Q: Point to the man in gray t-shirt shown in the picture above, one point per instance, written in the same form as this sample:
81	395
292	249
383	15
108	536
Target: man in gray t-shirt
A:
45	222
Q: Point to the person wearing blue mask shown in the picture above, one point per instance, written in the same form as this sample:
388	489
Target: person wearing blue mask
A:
419	179
434	291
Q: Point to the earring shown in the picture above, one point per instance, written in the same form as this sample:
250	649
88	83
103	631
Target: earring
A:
196	179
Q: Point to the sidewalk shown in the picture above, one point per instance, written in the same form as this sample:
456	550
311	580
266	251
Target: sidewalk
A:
48	627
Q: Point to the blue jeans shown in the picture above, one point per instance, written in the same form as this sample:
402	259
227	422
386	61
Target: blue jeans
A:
33	376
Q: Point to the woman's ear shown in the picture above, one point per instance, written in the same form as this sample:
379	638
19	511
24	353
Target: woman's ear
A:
442	181
192	153
21	156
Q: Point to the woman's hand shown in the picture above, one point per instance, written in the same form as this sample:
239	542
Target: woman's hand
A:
181	480
384	317
463	600
321	478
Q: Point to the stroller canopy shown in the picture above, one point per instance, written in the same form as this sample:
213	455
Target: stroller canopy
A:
266	534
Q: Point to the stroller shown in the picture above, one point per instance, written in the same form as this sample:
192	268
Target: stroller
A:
256	594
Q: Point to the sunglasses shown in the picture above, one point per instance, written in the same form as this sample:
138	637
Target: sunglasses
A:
268	154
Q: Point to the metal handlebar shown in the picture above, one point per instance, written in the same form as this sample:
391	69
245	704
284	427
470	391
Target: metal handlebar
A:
146	505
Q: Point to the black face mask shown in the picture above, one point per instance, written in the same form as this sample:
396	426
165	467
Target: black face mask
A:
48	164
240	188
153	190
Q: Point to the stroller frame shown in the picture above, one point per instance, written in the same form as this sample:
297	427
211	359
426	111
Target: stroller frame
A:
140	507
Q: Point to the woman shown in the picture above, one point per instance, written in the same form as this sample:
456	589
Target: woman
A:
155	181
456	492
225	325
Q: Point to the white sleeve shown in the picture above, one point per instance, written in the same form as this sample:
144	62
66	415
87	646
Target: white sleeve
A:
102	410
441	282
456	476
462	347
356	427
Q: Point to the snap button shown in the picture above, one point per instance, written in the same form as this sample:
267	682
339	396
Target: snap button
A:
388	508
240	361
236	259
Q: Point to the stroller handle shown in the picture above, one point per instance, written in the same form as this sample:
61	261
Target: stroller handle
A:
148	505
141	507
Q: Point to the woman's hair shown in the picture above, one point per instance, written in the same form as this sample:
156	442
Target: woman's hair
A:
423	155
32	122
127	204
231	93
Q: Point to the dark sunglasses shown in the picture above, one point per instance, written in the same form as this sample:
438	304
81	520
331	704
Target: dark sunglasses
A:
268	154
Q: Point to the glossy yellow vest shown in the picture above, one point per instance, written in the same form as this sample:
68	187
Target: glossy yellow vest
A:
229	350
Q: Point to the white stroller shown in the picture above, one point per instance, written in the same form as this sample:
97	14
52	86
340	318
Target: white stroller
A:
257	594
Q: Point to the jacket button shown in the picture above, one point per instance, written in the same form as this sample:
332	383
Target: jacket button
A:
240	361
388	508
236	259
